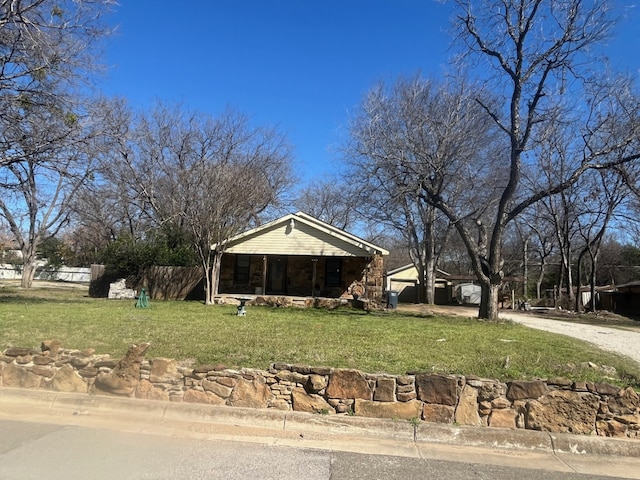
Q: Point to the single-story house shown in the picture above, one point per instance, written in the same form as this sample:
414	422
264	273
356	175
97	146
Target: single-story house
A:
624	299
405	281
299	255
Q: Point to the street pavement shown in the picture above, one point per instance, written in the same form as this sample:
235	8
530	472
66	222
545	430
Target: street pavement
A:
38	450
73	436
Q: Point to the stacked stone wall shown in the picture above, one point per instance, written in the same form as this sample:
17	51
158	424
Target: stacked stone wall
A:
553	405
373	278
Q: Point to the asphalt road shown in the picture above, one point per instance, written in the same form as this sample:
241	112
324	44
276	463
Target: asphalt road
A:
33	450
69	436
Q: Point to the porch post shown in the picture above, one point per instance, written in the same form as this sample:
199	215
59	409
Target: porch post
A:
264	275
314	262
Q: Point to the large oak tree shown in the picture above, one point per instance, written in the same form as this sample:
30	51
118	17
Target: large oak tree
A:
538	55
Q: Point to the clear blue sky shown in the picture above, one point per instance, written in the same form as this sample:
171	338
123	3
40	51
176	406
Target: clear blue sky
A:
299	64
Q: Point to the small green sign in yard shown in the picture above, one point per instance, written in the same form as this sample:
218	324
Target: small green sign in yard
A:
143	300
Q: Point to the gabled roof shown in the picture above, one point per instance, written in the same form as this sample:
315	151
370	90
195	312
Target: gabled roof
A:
408	268
300	234
630	284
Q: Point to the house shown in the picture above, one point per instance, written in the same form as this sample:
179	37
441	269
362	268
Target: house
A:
623	299
299	255
405	281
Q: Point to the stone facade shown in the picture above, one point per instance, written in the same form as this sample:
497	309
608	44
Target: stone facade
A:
556	405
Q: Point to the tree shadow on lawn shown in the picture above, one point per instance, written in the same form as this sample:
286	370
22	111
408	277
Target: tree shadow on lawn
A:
18	299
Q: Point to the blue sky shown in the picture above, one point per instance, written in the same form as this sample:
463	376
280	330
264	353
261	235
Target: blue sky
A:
300	65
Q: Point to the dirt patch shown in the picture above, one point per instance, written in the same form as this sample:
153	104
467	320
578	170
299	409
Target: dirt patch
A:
451	310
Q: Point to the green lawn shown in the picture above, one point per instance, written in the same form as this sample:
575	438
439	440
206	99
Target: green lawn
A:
372	342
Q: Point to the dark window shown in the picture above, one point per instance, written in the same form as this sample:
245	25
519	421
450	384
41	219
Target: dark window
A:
333	272
243	262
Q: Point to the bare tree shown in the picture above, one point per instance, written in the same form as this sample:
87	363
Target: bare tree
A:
605	196
38	190
328	200
418	132
47	56
562	210
47	50
210	177
537	52
112	203
542	244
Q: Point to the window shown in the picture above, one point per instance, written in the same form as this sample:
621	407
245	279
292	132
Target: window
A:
333	272
243	262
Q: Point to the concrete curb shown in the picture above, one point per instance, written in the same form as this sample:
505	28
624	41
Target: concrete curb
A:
485	437
287	424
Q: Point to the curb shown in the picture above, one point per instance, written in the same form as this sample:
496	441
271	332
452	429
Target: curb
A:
277	423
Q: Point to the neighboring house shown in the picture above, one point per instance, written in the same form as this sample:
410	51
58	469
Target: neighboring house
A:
405	281
299	255
623	299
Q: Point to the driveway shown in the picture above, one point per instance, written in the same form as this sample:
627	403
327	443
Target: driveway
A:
624	342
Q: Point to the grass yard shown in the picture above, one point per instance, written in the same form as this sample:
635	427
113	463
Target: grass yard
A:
375	342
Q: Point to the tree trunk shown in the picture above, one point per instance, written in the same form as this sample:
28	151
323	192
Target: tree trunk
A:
208	297
578	300
28	271
540	278
557	288
212	278
421	283
569	281
489	301
592	282
430	282
525	269
592	305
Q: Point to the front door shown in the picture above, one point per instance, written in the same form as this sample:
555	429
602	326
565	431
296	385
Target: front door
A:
276	275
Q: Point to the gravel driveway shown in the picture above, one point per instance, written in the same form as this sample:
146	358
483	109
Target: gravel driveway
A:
624	342
615	340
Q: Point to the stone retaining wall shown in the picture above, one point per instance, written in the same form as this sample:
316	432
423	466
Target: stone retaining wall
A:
554	405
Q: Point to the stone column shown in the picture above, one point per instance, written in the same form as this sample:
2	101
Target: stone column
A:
372	278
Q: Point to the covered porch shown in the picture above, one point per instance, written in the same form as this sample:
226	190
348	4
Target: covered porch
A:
293	275
300	256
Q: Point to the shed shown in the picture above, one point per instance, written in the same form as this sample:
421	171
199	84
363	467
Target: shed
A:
468	293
